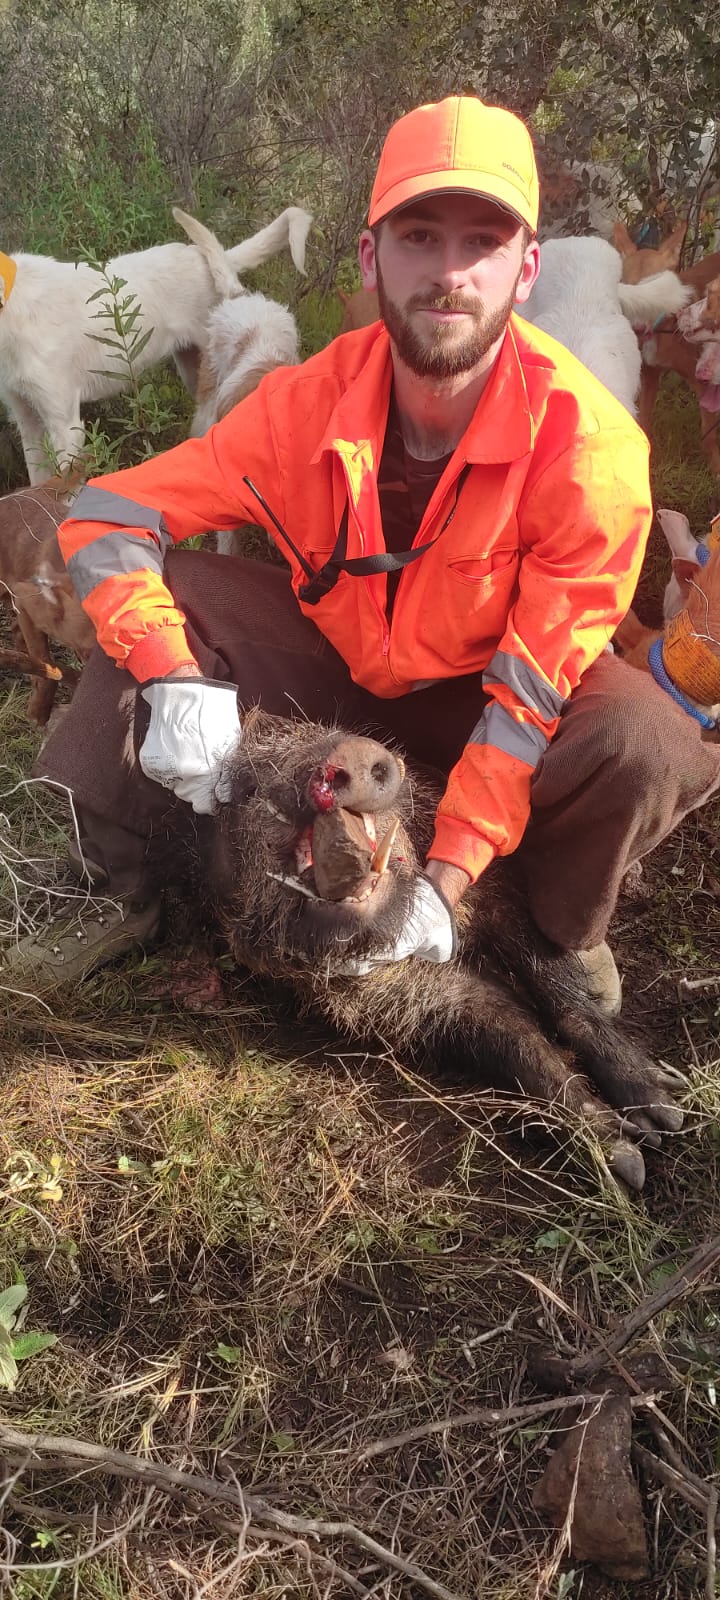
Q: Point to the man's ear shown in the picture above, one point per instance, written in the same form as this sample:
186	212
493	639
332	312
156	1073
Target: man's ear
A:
529	273
366	258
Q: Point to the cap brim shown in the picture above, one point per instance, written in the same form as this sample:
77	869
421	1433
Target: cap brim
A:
483	185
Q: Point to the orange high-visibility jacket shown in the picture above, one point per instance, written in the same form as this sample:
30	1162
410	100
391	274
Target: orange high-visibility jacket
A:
527	579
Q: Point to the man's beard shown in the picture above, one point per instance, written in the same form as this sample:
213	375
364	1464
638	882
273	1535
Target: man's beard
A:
444	352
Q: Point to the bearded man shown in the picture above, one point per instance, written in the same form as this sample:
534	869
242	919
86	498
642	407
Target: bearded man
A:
464	511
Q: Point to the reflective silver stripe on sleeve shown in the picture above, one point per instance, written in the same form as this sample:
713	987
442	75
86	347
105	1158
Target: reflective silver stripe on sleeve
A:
104	505
520	739
105	557
529	688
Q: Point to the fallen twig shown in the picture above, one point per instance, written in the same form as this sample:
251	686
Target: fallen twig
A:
80	1556
690	986
672	1478
702	1262
701	1496
481	1416
36	1448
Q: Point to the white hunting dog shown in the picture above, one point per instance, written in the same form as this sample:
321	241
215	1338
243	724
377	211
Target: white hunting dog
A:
50	361
580	299
248	336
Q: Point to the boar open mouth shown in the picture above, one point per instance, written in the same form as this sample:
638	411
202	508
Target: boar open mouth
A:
338	859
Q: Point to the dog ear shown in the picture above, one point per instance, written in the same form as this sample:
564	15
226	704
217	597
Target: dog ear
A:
622	240
686	573
676	529
671	248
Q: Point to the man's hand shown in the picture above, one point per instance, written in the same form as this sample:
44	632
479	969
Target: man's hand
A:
428	933
194	725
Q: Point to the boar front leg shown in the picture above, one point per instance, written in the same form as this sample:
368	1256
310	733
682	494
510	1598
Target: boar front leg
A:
622	1072
462	1020
507	1041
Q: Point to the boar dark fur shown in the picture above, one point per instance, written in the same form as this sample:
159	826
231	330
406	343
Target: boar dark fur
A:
510	1006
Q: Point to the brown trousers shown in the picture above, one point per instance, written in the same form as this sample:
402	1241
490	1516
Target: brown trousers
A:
625	766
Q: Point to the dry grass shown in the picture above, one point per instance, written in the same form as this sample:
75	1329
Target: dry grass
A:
269	1253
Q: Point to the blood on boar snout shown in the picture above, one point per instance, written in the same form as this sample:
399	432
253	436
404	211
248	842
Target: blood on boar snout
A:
358	774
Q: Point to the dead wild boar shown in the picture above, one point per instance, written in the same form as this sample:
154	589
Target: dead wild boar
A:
311	864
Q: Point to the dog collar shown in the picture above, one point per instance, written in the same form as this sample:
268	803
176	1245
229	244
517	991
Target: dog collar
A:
662	677
8	271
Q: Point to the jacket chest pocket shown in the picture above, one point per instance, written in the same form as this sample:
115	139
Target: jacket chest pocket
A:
490	570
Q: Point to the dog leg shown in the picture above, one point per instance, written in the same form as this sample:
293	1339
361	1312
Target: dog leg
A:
37	645
710	434
66	433
31	431
187	363
649	384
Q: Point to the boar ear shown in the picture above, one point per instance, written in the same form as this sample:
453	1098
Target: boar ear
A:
622	240
686	573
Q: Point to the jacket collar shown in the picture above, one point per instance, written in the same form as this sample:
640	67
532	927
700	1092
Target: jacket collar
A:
501	429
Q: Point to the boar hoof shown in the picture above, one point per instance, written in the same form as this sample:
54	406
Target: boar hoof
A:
626	1163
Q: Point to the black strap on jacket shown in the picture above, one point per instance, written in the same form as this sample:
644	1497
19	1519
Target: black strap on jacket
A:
320	583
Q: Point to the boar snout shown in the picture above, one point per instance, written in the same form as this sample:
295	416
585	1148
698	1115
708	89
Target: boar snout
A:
358	774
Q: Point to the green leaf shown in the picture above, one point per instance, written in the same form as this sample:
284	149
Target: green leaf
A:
8	1365
45	1539
361	1236
554	1239
10	1302
138	345
231	1353
126	1164
426	1239
284	1443
30	1344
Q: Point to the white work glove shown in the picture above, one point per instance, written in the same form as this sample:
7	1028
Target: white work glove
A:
194	724
428	933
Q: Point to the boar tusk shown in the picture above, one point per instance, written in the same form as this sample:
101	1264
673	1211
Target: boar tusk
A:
294	883
381	857
401	765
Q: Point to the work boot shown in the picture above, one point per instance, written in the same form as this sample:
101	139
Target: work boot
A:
84	868
81	935
603	978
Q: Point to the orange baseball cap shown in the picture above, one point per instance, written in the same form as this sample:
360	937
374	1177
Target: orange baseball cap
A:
458	144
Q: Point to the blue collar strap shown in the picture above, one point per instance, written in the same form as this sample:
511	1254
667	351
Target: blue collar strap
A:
662	677
703	554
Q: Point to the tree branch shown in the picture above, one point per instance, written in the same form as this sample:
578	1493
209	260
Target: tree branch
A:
35	1448
702	1262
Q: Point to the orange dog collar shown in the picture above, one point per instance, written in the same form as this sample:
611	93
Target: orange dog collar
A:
8	272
